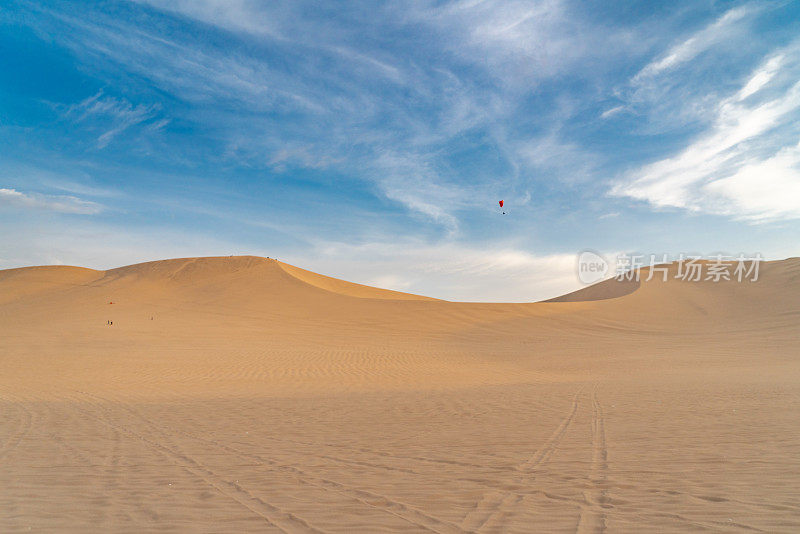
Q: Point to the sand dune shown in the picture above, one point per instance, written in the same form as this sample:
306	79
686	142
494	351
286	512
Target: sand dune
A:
347	288
245	394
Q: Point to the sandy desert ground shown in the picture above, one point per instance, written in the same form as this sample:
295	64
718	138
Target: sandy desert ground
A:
242	394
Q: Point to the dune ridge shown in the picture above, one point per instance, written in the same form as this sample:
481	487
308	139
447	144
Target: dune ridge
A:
342	287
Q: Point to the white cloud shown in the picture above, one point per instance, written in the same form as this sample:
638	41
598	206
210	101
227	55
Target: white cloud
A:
761	77
411	99
762	189
698	43
610	215
751	141
114	115
59	175
570	162
517	42
448	270
678	88
59	203
87	243
340	117
394	282
410	179
611	112
235	15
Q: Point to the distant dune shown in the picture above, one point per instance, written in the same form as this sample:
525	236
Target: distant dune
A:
246	394
607	289
347	288
225	310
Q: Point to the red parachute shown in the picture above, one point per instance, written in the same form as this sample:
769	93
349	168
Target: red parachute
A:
501	203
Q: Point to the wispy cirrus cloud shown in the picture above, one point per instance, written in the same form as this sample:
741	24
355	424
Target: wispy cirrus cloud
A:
762	76
112	115
610	112
352	91
713	34
234	15
275	124
333	115
521	43
746	164
57	203
569	161
676	87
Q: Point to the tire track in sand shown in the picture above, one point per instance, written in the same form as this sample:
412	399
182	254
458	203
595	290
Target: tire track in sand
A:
373	500
592	518
495	504
24	425
367	498
271	514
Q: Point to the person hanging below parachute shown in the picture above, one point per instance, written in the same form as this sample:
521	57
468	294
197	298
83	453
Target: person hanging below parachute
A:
501	207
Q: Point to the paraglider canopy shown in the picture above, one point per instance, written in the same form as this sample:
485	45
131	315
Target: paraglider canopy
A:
501	203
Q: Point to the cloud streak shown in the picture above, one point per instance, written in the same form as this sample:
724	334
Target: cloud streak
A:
57	203
716	32
746	164
350	92
113	115
276	126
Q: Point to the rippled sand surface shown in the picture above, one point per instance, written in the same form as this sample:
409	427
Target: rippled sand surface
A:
242	394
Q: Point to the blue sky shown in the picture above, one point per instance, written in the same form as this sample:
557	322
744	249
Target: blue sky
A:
372	141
